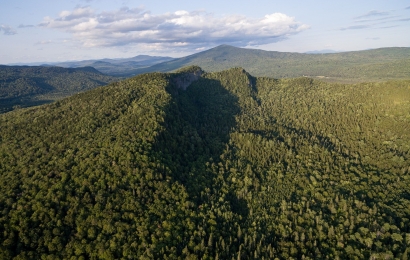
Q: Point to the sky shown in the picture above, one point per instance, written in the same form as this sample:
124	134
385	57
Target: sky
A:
62	30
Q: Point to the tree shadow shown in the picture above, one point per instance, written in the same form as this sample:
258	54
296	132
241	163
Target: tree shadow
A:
197	124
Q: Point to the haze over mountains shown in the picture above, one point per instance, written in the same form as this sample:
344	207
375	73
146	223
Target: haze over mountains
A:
114	67
322	51
117	67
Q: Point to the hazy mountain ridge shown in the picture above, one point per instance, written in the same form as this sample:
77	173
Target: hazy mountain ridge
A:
122	67
232	166
357	66
321	51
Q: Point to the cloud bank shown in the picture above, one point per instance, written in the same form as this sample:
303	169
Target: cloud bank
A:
188	30
7	30
372	13
375	20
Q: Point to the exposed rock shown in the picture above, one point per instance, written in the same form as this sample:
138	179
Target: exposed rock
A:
187	75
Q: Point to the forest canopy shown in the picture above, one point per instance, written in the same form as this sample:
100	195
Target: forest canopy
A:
219	165
23	86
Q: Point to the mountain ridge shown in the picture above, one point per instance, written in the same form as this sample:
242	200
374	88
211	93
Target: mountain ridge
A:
121	67
354	66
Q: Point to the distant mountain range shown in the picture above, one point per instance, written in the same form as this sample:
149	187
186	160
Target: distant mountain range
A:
123	67
321	51
23	85
117	67
348	67
356	66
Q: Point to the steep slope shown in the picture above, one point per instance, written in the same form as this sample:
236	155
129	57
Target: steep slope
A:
26	86
209	165
358	66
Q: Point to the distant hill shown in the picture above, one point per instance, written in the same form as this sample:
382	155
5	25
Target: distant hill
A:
321	51
358	66
22	86
221	165
117	67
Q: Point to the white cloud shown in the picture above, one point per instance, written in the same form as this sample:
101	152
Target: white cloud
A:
386	18
376	20
189	30
7	30
373	13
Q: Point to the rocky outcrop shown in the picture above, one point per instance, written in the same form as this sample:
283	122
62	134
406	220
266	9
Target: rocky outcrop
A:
186	76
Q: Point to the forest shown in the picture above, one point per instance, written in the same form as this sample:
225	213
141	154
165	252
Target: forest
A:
209	165
373	65
25	86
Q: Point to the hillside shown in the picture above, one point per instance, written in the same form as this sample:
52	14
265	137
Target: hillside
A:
220	165
22	86
359	66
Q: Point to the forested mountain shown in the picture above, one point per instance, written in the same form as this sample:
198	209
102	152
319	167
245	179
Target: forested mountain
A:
117	67
31	85
357	66
220	165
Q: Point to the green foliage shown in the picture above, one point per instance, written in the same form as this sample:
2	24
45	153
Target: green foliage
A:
24	86
359	66
232	166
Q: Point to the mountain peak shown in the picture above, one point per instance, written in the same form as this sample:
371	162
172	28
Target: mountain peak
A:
225	46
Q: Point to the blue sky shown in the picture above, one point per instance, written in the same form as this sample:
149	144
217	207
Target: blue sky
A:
49	31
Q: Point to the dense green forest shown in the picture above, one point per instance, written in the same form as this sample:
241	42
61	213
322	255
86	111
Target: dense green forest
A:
344	67
22	86
220	165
